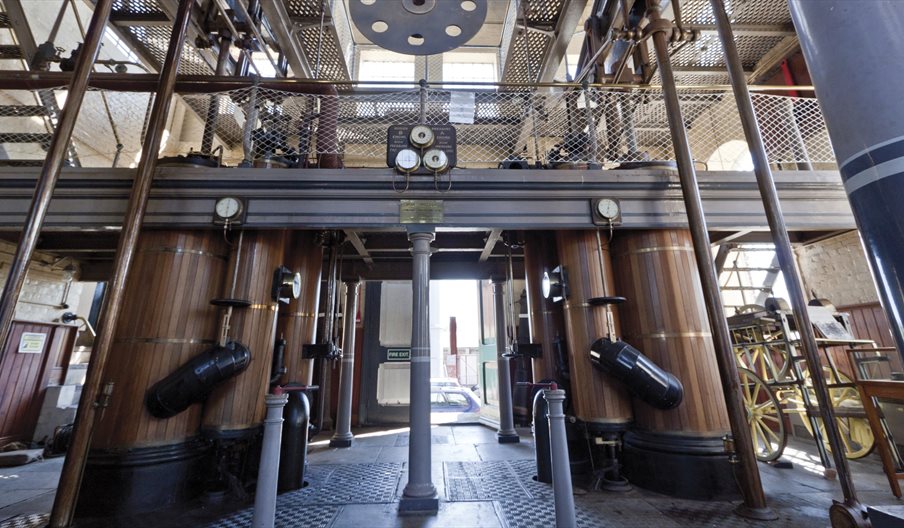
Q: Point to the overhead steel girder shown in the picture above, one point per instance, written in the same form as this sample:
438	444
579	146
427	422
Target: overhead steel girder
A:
90	199
278	20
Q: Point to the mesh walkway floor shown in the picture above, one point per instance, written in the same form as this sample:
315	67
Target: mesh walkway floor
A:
483	484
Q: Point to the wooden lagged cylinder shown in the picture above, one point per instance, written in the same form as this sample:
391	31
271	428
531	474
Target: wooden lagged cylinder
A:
298	319
665	318
599	400
166	320
546	321
137	462
236	406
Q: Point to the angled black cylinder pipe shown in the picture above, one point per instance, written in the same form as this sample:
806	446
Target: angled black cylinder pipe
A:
645	379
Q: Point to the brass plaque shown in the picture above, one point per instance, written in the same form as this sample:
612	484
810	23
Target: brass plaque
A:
420	211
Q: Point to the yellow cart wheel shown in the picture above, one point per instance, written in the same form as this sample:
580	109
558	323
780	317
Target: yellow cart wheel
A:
764	415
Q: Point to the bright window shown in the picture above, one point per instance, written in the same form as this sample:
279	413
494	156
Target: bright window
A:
378	65
470	67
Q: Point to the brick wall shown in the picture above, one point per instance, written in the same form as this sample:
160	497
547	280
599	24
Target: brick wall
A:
836	269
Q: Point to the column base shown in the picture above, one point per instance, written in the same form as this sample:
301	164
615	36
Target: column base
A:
341	442
688	467
508	438
419	505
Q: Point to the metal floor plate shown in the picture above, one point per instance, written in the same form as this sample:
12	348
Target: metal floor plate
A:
26	521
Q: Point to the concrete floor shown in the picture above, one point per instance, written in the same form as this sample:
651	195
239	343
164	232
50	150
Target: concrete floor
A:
482	484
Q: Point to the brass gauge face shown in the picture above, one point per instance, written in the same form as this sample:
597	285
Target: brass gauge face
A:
407	160
421	136
436	160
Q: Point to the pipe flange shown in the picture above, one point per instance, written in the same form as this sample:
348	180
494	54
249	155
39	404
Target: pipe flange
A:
418	27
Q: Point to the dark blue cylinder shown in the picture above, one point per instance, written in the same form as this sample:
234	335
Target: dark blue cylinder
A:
541	438
866	125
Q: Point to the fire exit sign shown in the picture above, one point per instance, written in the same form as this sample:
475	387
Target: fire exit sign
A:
398	354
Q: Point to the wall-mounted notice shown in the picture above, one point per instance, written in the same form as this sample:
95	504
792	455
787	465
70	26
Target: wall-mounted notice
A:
32	343
461	108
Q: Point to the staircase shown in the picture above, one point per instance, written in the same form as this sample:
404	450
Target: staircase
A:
15	137
744	280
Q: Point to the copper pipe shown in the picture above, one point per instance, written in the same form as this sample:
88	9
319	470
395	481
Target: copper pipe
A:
74	466
56	154
783	249
754	505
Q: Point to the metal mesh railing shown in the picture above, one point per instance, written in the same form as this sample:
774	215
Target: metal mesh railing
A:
551	127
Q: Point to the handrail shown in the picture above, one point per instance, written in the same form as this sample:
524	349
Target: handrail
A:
140	82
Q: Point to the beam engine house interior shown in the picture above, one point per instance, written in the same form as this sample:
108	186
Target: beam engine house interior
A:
451	263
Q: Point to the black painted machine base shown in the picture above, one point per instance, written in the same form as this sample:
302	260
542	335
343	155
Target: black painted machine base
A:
119	483
680	466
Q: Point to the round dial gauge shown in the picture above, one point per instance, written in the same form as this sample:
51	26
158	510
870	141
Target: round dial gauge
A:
607	208
296	285
407	160
436	160
228	208
421	136
546	285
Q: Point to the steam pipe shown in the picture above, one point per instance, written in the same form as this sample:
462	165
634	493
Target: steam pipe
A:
754	505
73	467
50	172
213	108
783	250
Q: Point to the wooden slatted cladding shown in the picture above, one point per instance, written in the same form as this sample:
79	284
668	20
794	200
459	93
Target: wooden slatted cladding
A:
597	397
545	316
665	318
166	320
238	403
298	319
24	377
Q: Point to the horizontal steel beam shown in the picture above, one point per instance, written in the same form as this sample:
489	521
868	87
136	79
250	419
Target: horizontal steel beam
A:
364	199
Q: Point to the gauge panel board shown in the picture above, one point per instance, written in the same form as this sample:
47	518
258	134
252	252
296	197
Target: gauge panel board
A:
398	139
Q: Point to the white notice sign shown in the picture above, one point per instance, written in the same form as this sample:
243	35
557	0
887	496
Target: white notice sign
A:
461	108
32	343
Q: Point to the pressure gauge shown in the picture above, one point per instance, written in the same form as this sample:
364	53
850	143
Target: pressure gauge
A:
608	208
228	209
296	285
407	160
436	160
421	136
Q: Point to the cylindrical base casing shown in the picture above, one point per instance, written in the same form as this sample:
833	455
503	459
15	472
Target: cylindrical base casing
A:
546	322
237	405
598	399
166	320
298	319
665	318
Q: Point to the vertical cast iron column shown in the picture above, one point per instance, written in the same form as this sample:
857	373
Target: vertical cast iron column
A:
74	466
343	436
57	153
754	505
420	494
783	249
268	472
866	126
506	433
563	494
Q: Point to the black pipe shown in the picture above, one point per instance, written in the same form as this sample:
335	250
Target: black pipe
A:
192	382
294	448
645	379
541	438
279	361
